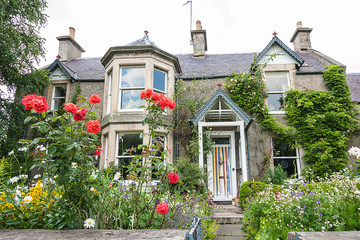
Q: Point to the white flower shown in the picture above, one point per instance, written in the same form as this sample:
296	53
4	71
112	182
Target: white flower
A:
13	180
117	176
41	148
73	164
92	189
11	153
23	176
27	199
354	151
23	149
89	223
37	176
94	174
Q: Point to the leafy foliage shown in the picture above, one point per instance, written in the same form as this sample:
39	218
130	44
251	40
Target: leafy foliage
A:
324	121
276	176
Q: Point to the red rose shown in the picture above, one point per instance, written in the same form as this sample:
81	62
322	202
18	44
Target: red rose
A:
27	101
173	177
162	208
172	104
70	107
95	99
156	96
39	104
93	126
80	114
146	94
98	151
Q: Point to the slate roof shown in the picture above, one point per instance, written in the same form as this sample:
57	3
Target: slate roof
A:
143	41
214	65
353	80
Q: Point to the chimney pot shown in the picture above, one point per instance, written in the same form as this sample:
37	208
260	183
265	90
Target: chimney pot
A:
299	24
198	25
72	32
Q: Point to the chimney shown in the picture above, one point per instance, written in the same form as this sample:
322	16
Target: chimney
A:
301	37
199	42
68	48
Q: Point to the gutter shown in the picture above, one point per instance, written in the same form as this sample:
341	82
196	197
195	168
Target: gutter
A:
247	143
304	73
203	78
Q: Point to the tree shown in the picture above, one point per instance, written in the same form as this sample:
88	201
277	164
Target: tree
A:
21	46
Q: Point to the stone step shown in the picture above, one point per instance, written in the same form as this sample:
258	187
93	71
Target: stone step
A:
228	218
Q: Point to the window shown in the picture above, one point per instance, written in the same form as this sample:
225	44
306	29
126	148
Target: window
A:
159	81
58	97
286	155
277	83
125	142
159	143
132	83
109	93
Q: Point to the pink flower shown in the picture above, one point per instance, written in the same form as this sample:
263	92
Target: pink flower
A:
162	208
70	107
173	177
98	151
168	149
93	126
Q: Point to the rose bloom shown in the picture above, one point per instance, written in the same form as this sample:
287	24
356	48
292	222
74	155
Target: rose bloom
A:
157	96
146	94
39	104
70	107
95	99
162	208
173	177
80	114
98	150
27	101
93	126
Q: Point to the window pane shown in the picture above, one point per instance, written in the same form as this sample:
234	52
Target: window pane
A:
289	165
128	141
130	99
60	91
58	102
159	80
277	81
283	149
275	101
132	77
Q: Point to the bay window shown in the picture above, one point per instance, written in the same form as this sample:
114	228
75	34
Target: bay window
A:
132	83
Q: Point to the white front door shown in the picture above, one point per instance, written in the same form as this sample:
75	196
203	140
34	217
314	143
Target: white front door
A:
221	168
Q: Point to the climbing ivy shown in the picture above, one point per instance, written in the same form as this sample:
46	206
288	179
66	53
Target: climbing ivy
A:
324	121
320	121
248	91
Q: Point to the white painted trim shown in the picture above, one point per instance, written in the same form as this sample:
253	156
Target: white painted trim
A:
106	151
243	153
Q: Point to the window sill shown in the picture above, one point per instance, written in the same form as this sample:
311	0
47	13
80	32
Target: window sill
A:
277	112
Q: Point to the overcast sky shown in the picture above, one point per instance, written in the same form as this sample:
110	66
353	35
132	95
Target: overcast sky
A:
232	26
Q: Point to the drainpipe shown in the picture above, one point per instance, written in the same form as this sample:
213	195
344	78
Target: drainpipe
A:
247	143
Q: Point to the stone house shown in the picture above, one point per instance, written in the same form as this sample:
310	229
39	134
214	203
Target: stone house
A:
239	145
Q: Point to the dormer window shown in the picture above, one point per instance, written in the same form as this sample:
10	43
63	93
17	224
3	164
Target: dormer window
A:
132	83
59	97
277	83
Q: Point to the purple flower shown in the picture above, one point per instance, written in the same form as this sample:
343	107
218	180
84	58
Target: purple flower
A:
320	214
311	193
318	202
126	196
304	206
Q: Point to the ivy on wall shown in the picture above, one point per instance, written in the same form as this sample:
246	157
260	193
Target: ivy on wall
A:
320	121
324	121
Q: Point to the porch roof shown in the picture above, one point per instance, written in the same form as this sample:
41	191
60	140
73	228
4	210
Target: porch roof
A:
231	103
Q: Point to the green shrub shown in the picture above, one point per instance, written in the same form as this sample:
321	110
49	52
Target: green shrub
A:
276	176
249	190
191	176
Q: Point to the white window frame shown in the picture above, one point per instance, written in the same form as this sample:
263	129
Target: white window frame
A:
109	92
53	95
290	157
132	88
277	92
106	154
117	156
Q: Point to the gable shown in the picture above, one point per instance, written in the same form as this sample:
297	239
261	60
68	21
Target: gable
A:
282	57
285	54
58	74
221	108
